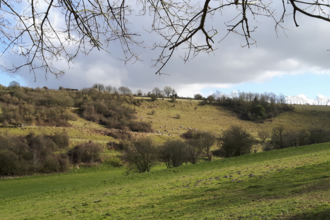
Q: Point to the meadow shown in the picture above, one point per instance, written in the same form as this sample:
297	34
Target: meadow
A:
216	119
291	183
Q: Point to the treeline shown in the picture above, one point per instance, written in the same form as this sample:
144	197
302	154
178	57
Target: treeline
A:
25	155
142	154
283	138
250	106
153	94
49	107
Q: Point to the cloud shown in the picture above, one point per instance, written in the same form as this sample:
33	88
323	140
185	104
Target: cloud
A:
304	50
302	99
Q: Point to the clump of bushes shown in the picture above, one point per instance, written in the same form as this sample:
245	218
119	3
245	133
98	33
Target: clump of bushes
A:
33	153
204	138
86	153
283	138
24	155
122	134
173	153
113	114
253	106
141	155
235	141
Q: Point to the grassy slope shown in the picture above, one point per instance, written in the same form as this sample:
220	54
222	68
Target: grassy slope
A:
288	184
299	190
217	119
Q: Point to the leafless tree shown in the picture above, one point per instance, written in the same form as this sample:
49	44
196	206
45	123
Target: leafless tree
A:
124	90
157	91
167	91
45	31
139	92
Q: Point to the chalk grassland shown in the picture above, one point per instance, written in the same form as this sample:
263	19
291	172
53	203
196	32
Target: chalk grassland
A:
216	119
191	114
282	184
313	107
81	131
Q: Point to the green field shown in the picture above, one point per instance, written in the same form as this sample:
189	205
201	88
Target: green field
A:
291	183
285	184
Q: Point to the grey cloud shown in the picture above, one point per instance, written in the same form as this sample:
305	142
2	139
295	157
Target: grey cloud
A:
230	64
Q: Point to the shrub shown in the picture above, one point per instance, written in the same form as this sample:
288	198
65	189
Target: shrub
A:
62	140
319	135
277	137
8	162
63	160
236	141
194	150
268	146
140	126
173	98
258	111
206	140
5	123
51	164
141	155
188	134
86	153
263	135
173	153
198	96
153	97
123	135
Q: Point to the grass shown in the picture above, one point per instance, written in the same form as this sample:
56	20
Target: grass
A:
287	184
217	119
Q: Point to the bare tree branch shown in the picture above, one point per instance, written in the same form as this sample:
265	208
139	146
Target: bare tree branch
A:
84	25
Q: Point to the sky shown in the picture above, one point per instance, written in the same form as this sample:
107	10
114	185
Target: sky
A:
295	64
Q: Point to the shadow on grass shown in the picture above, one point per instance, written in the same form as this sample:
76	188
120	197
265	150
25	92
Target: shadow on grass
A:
281	188
315	215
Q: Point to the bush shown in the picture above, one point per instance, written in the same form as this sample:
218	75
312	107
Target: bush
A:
235	142
62	140
173	98
63	160
123	135
140	126
319	135
258	111
141	155
173	153
8	162
188	134
153	97
206	140
263	135
51	164
268	146
194	150
86	153
278	137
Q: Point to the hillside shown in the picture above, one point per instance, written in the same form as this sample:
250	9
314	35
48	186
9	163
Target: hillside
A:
291	183
216	119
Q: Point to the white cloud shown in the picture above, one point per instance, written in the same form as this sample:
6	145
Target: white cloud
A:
303	51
